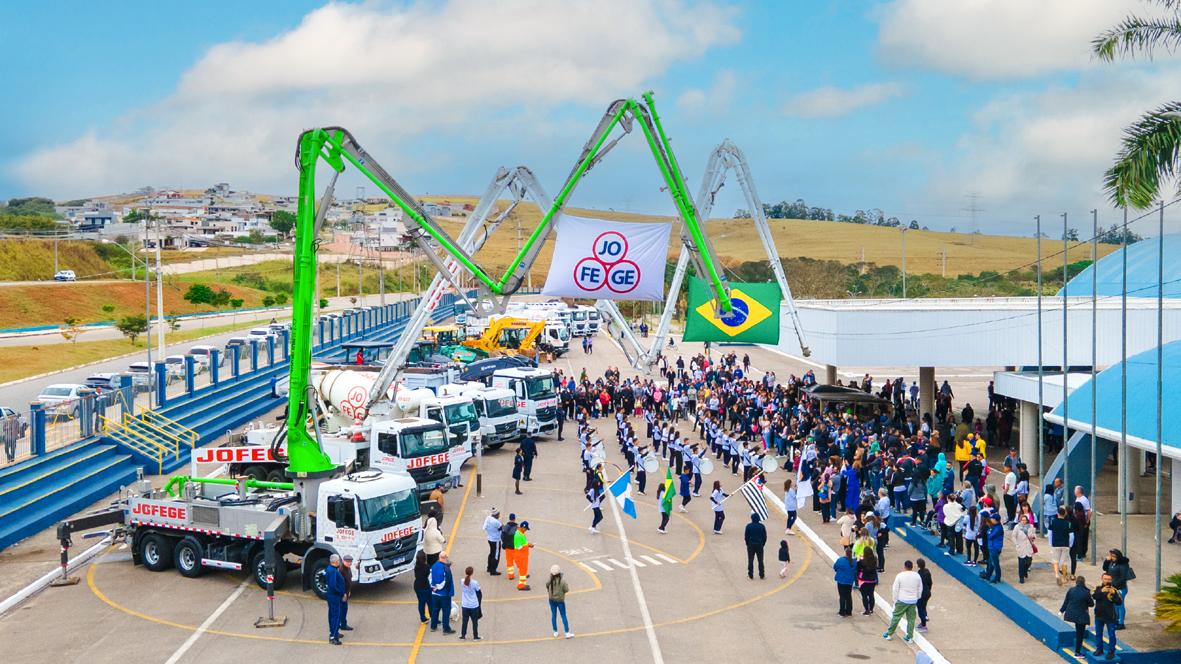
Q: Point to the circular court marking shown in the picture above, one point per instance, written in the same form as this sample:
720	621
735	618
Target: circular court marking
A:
90	582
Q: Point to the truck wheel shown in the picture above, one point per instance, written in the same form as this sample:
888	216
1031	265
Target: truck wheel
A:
155	551
495	446
276	475
256	473
187	557
320	577
258	567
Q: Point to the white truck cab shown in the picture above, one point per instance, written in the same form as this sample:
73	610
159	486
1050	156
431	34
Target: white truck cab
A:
496	407
537	396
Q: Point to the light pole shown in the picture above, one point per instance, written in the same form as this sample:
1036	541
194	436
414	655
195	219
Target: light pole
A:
147	302
159	290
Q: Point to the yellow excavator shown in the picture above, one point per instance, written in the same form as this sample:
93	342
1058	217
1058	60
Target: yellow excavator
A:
508	335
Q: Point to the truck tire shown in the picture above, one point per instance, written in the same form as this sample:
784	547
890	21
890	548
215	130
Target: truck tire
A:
155	551
258	569
276	475
256	473
320	577
187	557
495	446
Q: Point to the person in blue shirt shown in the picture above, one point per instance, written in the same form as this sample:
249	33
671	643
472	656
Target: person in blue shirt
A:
334	597
996	540
845	574
442	590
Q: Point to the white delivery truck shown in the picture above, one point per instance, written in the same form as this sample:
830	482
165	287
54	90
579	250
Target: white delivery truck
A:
537	397
499	419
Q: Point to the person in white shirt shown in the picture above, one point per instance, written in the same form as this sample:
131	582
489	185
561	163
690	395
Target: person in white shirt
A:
492	529
716	499
1080	497
1009	487
908	588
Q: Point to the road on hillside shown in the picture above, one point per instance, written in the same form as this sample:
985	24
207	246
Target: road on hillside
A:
19	395
50	282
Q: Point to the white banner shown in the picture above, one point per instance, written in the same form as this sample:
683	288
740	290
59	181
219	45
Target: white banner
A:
608	260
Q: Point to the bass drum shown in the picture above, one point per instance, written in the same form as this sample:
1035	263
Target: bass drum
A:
707	466
770	464
651	463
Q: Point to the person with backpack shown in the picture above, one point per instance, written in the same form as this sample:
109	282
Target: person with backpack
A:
556	589
845	575
508	534
756	539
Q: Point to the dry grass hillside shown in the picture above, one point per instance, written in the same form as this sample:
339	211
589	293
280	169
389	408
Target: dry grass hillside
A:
28	260
736	241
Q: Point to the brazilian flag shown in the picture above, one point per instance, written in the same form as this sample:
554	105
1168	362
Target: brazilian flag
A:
668	492
754	317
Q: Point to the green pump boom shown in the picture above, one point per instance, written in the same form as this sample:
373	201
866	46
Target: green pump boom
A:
336	146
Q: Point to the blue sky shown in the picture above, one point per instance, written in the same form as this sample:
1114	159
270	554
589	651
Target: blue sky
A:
903	105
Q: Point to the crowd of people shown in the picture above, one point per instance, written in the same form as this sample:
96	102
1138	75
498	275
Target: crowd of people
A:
856	468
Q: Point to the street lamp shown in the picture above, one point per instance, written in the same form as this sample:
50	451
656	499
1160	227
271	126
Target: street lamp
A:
147	305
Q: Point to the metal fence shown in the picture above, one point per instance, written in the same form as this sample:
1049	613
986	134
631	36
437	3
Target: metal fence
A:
14	429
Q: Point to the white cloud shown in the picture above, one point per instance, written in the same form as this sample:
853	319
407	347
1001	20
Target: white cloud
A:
831	102
388	73
715	100
1045	152
990	39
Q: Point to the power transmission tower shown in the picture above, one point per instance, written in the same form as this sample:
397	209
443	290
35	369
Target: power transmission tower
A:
973	209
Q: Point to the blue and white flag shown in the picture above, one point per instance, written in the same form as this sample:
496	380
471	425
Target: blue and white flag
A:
754	497
622	490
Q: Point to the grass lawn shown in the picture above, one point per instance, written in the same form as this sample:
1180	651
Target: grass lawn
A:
17	362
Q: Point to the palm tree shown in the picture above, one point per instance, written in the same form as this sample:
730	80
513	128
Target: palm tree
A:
1150	146
1168	603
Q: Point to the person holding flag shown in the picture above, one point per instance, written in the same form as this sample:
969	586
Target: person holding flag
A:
717	498
668	491
621	488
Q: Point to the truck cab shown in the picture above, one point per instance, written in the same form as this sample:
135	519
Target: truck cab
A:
370	515
417	447
579	322
537	397
458	416
496	407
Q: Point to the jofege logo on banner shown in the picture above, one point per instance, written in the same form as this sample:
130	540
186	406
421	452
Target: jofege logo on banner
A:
608	260
608	266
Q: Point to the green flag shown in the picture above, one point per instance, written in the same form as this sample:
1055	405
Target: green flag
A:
753	319
670	491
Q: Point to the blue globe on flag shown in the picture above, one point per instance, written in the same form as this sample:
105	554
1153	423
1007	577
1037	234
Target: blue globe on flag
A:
739	312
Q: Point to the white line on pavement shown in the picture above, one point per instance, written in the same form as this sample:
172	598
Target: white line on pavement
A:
885	607
637	563
184	647
618	563
651	560
665	558
653	644
605	566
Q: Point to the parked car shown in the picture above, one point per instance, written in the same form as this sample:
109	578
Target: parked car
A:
203	355
279	328
13	422
65	275
142	377
262	334
174	365
101	382
61	399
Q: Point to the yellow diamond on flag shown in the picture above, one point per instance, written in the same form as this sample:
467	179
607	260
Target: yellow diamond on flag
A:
745	314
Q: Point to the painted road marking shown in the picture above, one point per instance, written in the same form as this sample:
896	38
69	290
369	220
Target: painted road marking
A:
624	564
587	568
184	647
665	558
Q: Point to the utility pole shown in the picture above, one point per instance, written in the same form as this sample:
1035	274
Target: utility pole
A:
1066	360
55	253
338	277
381	277
361	279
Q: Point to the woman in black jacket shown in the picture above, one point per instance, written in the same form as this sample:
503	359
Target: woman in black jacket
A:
1120	569
1107	602
1076	609
422	584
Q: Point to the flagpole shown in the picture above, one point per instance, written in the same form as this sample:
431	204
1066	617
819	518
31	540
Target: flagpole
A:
753	477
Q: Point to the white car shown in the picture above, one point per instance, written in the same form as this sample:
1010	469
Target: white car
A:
175	366
61	399
262	334
65	275
203	356
142	376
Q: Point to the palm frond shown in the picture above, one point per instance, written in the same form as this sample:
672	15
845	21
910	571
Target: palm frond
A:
1148	154
1168	603
1139	36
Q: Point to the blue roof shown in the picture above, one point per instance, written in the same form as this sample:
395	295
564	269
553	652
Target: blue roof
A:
1142	271
1141	397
